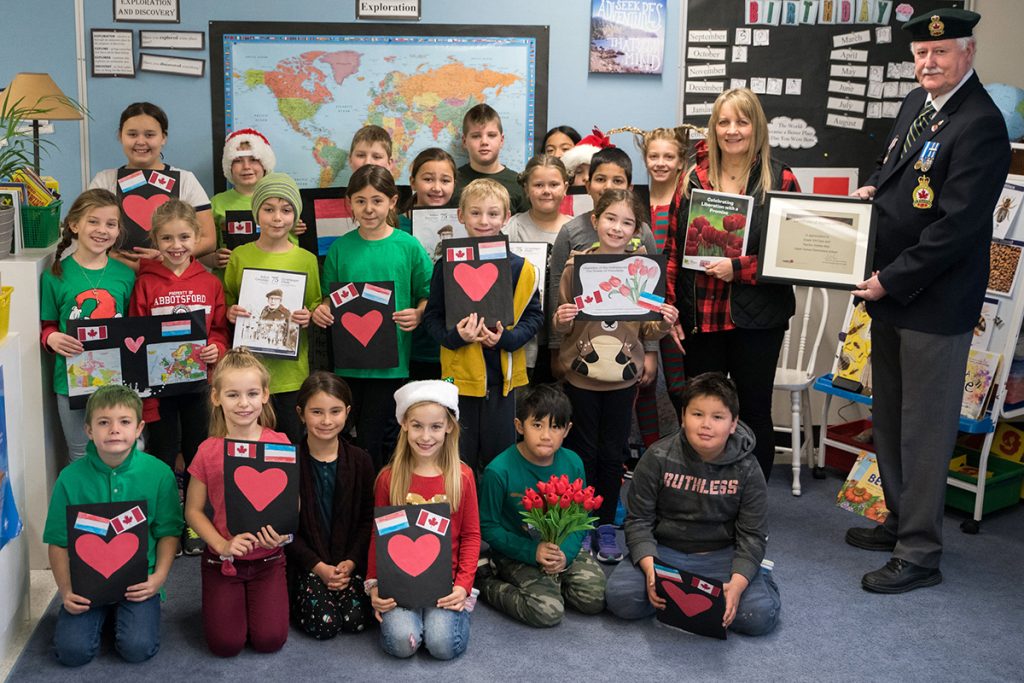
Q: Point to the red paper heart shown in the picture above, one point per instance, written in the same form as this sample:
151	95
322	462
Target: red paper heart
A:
106	558
140	209
692	604
476	282
414	557
362	327
134	344
260	488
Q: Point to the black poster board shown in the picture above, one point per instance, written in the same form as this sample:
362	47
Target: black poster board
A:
477	279
240	228
414	553
156	355
816	54
364	333
261	486
693	603
141	192
108	549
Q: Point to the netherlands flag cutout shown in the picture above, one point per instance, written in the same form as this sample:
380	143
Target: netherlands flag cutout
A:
378	294
667	573
93	524
387	524
130	182
650	301
278	452
176	328
490	251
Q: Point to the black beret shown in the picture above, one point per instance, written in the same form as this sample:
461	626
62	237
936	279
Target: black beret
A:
941	24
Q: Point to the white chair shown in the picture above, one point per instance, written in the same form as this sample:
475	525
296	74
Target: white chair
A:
795	374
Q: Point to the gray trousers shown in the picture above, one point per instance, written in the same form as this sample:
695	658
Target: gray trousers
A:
918	381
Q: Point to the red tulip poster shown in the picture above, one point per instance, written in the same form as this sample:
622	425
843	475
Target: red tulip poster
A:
364	334
477	279
156	355
141	191
261	486
692	603
413	545
108	546
716	228
618	286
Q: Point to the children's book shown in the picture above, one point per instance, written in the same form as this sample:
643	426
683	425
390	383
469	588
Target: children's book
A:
852	371
861	493
979	378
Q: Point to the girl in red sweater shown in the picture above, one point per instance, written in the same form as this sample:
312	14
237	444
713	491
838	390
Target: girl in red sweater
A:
177	283
426	469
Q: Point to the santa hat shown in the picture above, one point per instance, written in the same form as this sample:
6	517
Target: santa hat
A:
584	150
437	391
259	149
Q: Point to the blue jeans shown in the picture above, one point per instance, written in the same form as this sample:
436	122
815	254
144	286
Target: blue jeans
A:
443	631
758	611
136	637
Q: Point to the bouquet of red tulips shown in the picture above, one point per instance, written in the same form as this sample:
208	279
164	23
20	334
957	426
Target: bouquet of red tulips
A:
558	507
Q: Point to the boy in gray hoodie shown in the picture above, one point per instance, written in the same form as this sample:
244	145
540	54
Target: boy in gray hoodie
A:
698	501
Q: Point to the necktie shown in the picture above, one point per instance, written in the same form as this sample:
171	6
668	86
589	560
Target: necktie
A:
918	125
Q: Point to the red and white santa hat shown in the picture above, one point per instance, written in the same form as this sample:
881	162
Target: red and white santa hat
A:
258	148
584	150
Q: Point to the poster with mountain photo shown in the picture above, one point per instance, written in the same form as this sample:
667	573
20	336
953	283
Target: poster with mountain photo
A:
627	37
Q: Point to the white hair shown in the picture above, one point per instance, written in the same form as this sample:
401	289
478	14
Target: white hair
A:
961	43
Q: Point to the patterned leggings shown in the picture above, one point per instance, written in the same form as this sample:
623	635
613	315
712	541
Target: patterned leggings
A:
322	613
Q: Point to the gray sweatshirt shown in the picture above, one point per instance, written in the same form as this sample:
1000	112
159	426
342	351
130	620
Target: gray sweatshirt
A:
678	500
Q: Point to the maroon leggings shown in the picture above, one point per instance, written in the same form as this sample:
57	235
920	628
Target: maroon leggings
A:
251	605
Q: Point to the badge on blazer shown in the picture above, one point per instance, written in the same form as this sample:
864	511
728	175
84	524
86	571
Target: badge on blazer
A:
923	193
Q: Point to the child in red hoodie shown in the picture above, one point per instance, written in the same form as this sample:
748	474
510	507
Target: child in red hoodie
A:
177	283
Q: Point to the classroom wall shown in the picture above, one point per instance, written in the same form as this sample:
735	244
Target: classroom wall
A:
574	97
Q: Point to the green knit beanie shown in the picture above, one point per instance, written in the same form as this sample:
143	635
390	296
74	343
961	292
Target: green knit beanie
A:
279	185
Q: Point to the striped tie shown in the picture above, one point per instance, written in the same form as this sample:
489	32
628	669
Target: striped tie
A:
917	126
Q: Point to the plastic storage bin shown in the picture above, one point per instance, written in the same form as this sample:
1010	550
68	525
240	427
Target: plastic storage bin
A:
5	310
40	225
1002	489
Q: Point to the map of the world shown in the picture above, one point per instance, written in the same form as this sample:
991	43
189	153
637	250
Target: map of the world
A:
309	93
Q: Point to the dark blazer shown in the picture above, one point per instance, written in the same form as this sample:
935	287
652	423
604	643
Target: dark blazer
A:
934	262
351	518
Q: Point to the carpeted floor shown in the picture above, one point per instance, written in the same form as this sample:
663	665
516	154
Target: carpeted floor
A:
968	628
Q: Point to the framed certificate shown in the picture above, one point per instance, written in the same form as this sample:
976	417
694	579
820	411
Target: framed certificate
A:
819	240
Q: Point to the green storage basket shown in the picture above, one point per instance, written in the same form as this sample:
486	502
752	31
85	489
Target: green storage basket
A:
1002	489
40	225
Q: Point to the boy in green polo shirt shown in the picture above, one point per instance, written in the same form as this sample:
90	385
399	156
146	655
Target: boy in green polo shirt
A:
528	579
113	470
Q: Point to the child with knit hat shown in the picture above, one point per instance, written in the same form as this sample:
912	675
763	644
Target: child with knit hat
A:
247	157
276	205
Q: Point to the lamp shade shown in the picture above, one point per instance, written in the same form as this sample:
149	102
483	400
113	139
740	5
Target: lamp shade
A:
38	91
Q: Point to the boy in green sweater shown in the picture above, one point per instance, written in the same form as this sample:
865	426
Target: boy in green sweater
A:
113	470
532	580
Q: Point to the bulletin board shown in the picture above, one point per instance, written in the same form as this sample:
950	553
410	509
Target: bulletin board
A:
830	74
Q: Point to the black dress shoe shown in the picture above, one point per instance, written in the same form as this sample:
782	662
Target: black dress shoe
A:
900	576
872	538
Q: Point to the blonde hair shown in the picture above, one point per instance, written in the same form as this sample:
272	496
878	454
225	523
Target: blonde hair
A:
403	461
543	161
238	359
680	135
371	135
88	201
745	103
484	188
173	210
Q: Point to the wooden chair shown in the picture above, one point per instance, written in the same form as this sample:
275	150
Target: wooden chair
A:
795	374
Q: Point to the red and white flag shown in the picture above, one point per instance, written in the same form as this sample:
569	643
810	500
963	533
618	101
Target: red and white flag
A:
344	294
127	520
431	522
240	227
87	334
164	182
459	254
708	588
588	300
239	449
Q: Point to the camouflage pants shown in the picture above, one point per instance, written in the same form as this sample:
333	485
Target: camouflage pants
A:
524	592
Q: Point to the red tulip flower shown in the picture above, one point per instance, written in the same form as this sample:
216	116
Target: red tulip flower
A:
567	509
613	282
606	286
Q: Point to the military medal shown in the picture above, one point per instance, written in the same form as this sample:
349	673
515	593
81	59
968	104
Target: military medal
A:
923	194
927	158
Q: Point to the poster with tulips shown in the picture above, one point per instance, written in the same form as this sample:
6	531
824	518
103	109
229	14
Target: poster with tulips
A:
618	286
716	228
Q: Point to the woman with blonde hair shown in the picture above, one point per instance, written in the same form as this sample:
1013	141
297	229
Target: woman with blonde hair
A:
732	323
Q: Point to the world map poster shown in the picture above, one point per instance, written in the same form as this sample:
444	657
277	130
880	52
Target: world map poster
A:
310	87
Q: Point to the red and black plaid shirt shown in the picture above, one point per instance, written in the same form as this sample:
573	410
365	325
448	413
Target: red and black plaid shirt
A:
711	295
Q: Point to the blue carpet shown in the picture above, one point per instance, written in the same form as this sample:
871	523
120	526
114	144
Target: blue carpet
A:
968	628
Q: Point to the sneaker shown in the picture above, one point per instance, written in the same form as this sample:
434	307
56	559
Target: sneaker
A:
608	545
191	544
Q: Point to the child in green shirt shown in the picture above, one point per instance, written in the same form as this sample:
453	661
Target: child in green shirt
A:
531	580
113	470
